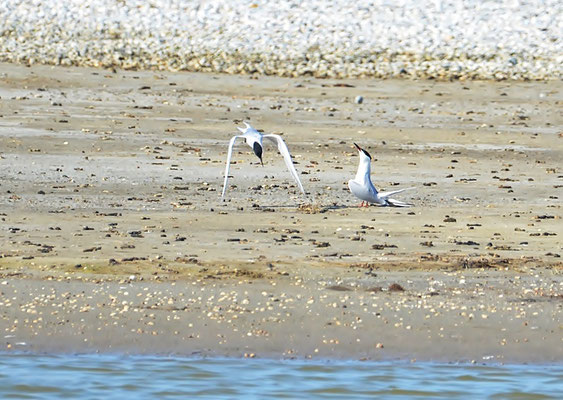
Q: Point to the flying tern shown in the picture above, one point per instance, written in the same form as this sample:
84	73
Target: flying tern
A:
254	140
362	188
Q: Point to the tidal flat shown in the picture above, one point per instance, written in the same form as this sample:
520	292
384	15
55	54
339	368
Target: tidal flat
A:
113	237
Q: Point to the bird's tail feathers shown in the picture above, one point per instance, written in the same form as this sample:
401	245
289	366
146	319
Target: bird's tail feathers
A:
247	127
392	192
398	203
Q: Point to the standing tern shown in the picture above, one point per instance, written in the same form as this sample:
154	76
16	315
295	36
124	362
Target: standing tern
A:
362	188
254	140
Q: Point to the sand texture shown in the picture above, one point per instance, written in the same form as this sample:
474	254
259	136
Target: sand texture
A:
113	236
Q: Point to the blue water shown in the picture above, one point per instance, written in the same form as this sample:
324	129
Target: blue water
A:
28	376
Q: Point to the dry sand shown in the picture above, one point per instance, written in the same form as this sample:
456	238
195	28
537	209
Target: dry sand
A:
113	236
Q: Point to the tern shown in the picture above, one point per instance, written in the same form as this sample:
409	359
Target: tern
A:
362	188
254	140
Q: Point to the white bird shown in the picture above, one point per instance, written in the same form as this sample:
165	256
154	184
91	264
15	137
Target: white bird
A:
254	140
362	188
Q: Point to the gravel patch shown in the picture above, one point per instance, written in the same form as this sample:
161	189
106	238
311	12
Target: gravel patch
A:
471	39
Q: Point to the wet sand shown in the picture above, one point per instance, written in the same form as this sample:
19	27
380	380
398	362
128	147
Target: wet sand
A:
113	236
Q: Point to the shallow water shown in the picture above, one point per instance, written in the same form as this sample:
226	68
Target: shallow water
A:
28	376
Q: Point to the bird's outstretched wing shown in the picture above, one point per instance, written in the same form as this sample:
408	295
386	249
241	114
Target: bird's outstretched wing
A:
282	147
229	154
391	193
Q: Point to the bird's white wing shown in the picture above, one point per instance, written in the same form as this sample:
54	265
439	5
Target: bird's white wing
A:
391	193
229	154
287	157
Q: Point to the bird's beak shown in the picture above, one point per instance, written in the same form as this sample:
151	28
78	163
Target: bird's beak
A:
358	147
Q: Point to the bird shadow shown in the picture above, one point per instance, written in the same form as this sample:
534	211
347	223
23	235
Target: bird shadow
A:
310	208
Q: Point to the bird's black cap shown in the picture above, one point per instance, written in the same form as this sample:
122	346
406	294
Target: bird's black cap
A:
362	150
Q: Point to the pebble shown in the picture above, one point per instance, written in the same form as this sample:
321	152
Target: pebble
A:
321	38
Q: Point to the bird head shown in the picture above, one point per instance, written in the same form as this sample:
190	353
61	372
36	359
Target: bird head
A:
258	151
362	151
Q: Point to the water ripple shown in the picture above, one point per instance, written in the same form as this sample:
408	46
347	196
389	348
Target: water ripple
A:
84	377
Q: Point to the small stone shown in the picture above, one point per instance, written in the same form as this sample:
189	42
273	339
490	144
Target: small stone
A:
395	287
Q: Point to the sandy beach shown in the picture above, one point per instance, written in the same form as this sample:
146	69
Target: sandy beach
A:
113	237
